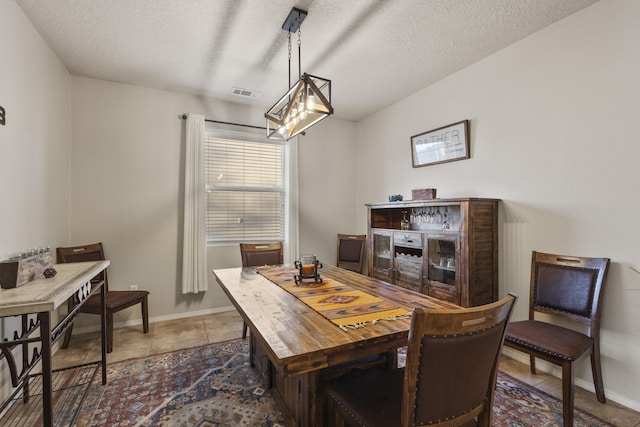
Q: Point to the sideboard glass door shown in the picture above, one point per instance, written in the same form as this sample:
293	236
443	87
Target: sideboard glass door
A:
382	255
443	253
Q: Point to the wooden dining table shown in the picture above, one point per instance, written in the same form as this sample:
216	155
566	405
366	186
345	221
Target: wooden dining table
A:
296	350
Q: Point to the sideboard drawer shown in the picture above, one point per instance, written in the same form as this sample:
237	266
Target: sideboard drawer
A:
410	239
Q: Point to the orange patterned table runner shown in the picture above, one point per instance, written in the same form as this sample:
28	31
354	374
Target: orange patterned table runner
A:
339	303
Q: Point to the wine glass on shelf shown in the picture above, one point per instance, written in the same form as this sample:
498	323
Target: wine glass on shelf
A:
438	217
404	224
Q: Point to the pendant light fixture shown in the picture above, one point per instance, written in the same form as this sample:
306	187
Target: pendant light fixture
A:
307	102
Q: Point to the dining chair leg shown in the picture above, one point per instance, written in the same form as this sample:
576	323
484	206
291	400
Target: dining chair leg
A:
252	350
67	336
532	364
145	315
109	332
567	394
244	331
596	370
485	419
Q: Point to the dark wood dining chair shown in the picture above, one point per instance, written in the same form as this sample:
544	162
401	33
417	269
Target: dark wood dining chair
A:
351	251
258	254
115	300
449	378
566	287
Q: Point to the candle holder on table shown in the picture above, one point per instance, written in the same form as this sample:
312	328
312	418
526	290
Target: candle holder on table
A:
307	267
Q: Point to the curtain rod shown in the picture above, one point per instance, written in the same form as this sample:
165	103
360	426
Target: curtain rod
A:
184	117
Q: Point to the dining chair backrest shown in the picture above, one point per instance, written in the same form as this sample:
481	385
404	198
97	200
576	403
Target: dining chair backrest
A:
257	254
351	251
452	364
84	253
567	286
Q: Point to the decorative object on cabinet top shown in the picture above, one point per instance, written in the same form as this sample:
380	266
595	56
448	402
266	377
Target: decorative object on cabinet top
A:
423	193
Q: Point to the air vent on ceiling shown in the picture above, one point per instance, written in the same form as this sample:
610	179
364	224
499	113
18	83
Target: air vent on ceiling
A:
245	93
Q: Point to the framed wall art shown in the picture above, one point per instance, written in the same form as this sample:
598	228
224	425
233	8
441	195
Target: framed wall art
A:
444	144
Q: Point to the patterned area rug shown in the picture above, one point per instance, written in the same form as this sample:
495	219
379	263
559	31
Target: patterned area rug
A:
204	386
213	385
518	405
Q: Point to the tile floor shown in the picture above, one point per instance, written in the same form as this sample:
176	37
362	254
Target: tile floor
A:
171	335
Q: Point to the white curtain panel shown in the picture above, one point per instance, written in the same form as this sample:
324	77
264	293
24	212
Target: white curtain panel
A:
194	248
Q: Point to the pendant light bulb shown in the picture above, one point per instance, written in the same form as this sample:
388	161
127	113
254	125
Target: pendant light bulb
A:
302	111
310	104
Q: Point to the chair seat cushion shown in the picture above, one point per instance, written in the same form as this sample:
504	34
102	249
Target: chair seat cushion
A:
548	339
376	398
116	300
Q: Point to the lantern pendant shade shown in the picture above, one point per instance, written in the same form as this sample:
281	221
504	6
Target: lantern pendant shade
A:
306	103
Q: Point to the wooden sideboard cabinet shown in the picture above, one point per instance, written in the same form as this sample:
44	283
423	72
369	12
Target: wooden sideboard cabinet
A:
445	248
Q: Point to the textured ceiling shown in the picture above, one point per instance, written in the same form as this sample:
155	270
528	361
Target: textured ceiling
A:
375	52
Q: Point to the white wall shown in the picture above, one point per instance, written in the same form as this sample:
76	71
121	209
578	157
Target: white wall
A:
34	144
555	132
327	187
126	190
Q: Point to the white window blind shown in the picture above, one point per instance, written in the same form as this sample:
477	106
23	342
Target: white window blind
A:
245	187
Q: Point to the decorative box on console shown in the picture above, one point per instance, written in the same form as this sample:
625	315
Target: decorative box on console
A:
423	194
15	272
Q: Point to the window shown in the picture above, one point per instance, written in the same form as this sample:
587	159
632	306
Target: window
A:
245	184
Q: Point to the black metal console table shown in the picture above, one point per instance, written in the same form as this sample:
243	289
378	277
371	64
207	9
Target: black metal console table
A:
28	353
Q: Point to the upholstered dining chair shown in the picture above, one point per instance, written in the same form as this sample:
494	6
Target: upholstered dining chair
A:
566	287
351	251
257	254
115	300
449	378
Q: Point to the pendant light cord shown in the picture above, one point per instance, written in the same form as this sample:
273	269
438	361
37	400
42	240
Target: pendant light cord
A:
299	53
289	74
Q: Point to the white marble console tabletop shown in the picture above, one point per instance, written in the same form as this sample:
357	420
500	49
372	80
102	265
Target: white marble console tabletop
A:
44	294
